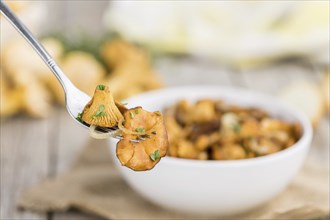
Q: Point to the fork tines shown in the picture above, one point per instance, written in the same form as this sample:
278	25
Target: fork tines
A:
137	140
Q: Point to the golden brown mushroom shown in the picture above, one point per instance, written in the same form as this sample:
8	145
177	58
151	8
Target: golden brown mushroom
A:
36	99
102	109
145	154
130	66
10	99
119	53
83	69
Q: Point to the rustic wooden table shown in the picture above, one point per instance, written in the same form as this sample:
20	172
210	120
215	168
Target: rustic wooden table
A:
33	149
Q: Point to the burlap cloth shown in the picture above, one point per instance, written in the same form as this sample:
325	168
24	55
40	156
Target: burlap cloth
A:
94	186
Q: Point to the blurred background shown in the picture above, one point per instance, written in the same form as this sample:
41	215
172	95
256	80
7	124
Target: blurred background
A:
90	38
276	47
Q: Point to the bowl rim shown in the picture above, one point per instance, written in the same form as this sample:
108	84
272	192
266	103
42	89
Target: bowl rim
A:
304	140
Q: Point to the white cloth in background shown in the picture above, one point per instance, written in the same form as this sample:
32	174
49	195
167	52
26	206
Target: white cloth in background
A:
245	34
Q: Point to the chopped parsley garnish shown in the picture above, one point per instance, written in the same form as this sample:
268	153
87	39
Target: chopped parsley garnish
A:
236	128
100	87
125	103
79	117
131	115
155	156
136	111
99	112
140	130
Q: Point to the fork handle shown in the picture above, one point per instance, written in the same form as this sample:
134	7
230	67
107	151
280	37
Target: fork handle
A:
28	36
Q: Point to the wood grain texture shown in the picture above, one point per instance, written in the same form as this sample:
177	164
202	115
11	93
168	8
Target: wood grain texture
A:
72	138
272	79
191	71
24	161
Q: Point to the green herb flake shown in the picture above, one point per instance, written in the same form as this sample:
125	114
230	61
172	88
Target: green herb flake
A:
155	156
131	115
125	103
79	117
100	87
140	130
136	111
236	128
99	112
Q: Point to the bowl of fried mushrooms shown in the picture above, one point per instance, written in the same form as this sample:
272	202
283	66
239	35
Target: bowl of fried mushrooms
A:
230	149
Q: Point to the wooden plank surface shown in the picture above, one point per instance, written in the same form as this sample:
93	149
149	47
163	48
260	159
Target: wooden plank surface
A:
272	79
189	71
24	162
72	138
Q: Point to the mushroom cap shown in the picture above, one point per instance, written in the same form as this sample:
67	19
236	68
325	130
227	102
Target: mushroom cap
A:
140	156
102	110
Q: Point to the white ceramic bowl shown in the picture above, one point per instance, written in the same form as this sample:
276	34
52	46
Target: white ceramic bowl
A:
217	187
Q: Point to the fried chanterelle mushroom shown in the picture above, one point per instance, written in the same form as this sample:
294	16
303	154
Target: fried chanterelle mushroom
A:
145	154
102	109
144	138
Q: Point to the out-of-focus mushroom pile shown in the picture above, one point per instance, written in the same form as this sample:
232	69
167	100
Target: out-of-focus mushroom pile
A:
29	87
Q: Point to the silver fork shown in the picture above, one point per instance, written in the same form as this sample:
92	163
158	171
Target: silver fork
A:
75	100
